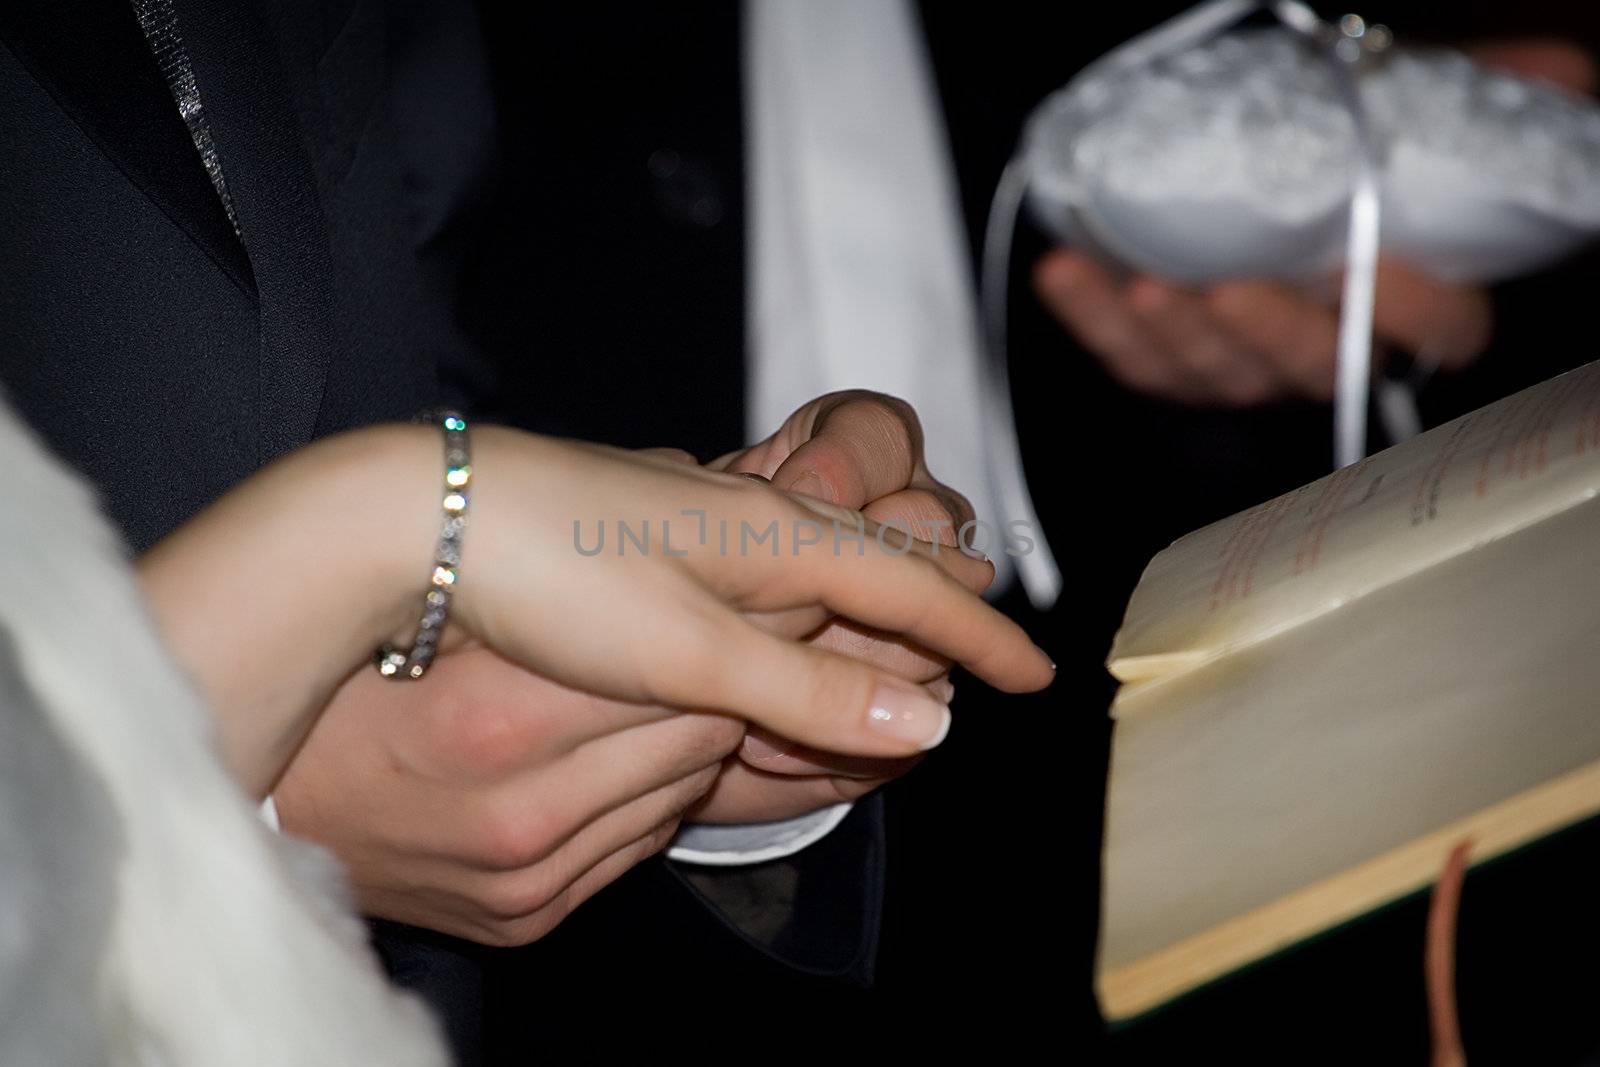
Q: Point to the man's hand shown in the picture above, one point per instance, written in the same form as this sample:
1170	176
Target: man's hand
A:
862	451
1248	342
487	802
858	450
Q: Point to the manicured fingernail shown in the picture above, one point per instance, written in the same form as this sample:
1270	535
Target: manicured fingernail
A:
810	484
910	715
943	689
759	748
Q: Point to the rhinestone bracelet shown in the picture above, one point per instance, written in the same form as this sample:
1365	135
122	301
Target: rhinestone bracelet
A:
400	664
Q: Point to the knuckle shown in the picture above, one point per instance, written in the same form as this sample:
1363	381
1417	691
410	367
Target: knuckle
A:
841	690
887	403
1207	361
511	837
1314	349
901	410
496	935
700	739
951	570
957	507
926	507
755	492
935	582
510	901
889	424
660	838
1229	302
526	929
698	784
673	455
895	425
671	802
722	735
698	658
1314	364
1060	274
1244	392
1149	299
852	639
837	789
755	510
487	738
1137	368
692	663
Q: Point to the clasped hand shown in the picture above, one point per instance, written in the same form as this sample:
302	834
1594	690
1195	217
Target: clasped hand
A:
585	705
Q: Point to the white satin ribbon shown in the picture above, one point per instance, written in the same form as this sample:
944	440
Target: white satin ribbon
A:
1353	381
1037	569
1353	373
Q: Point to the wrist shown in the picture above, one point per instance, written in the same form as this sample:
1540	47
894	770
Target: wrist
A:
388	482
276	593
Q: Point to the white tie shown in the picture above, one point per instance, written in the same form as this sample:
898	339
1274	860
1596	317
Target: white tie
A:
860	273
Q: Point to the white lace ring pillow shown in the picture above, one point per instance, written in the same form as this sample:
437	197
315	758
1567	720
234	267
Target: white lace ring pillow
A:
1235	159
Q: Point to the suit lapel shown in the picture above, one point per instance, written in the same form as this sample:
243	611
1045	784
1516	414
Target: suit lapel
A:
265	162
92	58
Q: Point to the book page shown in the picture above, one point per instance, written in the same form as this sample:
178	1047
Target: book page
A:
1323	746
1311	551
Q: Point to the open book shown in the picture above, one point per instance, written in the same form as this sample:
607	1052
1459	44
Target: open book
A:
1324	694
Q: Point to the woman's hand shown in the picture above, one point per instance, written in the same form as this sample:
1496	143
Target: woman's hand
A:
708	614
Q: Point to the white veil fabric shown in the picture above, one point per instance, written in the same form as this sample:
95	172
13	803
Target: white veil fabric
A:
146	915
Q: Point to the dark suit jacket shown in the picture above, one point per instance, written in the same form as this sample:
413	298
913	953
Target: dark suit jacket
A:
158	352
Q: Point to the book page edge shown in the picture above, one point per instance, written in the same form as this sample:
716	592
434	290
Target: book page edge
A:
1151	981
1152	670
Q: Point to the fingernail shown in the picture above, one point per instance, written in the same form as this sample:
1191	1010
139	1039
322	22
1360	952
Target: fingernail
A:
759	748
910	715
943	689
810	484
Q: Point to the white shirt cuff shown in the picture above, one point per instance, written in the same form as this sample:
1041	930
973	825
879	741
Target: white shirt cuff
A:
713	845
735	845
